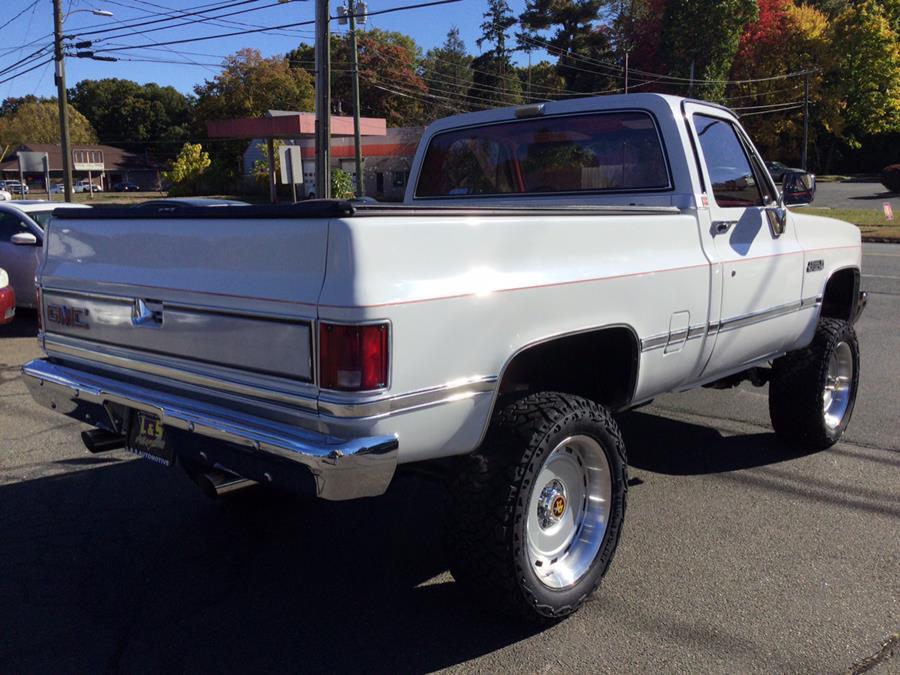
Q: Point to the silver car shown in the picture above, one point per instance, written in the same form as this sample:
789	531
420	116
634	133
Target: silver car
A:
21	238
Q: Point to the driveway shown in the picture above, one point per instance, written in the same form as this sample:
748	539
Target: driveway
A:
856	195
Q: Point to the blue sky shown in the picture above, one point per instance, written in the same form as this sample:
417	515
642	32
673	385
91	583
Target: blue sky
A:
32	30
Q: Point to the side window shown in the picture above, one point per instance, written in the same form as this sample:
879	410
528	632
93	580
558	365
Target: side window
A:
733	181
10	225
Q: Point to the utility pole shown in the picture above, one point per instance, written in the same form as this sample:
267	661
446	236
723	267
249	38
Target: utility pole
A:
61	100
323	100
626	71
357	136
805	119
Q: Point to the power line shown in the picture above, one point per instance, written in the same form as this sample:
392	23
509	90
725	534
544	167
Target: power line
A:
31	6
141	24
12	77
286	25
224	23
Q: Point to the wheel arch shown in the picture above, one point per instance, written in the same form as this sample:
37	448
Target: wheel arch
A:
546	364
840	296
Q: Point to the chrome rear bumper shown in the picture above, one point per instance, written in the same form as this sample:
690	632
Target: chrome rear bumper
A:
341	468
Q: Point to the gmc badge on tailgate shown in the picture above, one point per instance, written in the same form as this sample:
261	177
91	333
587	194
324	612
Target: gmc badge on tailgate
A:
67	316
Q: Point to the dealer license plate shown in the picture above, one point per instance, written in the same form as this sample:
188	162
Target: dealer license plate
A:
147	438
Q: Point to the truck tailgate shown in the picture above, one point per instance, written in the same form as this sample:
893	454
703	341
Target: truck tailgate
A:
232	293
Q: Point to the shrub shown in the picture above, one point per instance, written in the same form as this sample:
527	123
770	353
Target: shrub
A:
890	177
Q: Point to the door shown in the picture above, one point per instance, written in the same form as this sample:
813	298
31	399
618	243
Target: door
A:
760	263
19	261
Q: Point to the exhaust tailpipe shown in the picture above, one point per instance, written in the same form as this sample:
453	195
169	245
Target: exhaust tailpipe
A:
100	440
220	482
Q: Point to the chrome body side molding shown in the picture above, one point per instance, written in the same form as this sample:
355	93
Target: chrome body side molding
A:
662	339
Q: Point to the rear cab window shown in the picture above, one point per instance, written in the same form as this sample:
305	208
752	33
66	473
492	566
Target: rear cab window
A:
616	151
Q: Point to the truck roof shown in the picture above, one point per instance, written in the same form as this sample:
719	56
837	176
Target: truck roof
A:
649	101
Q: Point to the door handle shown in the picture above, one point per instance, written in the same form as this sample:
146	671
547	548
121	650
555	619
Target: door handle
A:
722	226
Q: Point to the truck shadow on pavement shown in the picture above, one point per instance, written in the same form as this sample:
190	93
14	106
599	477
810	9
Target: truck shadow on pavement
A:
112	563
24	325
677	448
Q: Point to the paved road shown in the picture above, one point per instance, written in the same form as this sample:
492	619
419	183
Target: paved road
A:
739	555
856	195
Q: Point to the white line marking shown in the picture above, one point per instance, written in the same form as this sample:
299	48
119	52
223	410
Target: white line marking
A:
879	276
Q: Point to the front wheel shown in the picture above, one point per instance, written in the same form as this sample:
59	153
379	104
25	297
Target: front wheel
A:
537	513
813	390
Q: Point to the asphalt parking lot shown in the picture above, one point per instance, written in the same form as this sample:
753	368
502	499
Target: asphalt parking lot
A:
855	194
739	555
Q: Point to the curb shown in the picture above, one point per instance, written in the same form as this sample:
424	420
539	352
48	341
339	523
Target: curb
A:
879	240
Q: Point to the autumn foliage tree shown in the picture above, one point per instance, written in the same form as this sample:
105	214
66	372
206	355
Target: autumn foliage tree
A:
38	122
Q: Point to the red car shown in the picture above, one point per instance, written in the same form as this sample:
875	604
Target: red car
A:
7	299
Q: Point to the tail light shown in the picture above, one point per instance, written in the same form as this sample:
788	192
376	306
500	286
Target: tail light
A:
353	357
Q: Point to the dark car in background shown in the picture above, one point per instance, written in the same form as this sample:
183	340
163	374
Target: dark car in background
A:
126	186
777	170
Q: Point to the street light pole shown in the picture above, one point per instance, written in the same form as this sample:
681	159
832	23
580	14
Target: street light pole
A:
357	136
323	100
61	100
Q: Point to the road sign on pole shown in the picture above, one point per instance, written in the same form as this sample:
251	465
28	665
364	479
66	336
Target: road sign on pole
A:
291	167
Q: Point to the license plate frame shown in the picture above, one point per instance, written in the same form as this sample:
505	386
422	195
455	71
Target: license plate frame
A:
147	438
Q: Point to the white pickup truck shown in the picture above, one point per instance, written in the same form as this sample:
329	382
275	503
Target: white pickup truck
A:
552	265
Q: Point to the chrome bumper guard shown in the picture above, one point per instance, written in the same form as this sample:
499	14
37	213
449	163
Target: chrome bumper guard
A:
342	468
860	306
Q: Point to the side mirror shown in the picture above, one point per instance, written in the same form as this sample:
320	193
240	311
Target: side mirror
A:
798	187
24	239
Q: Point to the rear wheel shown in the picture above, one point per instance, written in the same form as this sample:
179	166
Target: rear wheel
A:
537	513
813	390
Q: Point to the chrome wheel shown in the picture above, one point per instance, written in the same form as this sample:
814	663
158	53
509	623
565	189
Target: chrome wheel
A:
838	383
568	512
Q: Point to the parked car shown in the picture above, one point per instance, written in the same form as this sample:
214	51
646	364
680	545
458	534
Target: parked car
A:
22	226
57	189
551	265
14	186
7	299
777	170
87	186
126	186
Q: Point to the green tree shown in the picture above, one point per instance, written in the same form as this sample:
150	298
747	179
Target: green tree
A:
542	82
250	85
704	34
187	169
342	185
138	117
38	122
867	70
494	79
447	71
571	31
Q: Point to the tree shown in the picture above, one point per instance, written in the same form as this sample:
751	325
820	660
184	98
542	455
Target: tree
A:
138	117
494	80
868	70
541	82
187	169
250	85
785	40
576	38
12	104
390	84
703	36
447	70
342	185
38	122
